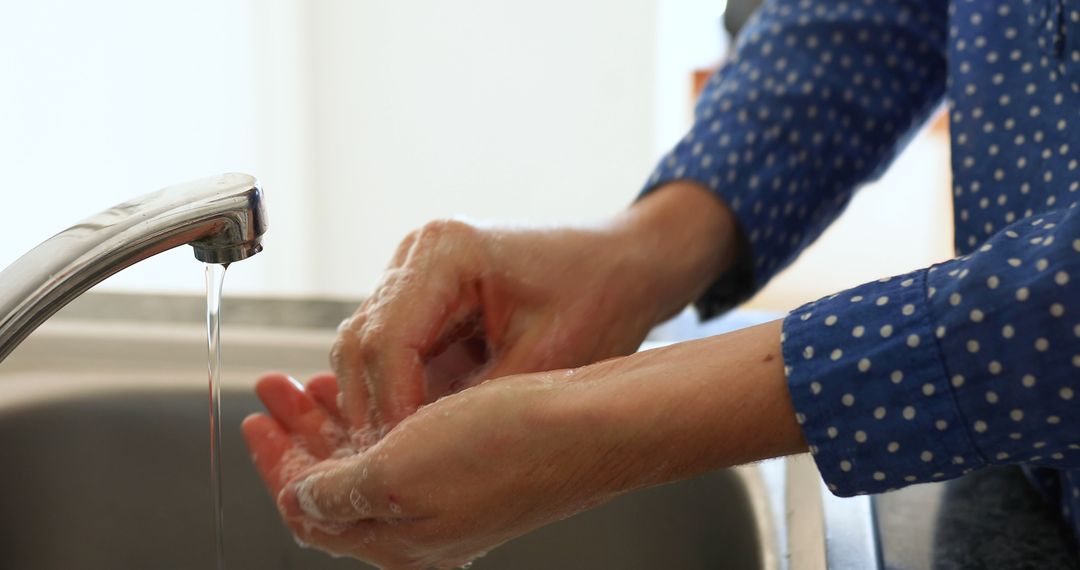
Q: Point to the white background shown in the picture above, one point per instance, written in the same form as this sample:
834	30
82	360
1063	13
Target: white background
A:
365	118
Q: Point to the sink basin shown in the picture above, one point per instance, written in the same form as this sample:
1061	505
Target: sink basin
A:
119	480
105	433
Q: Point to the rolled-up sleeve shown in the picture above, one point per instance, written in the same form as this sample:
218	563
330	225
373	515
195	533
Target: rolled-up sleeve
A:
816	100
928	375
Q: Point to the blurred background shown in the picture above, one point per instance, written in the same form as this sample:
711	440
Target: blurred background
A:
365	118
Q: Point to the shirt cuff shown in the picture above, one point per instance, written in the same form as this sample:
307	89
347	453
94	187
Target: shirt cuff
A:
870	389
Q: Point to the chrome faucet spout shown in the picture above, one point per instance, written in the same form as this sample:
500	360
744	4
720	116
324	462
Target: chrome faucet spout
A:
223	218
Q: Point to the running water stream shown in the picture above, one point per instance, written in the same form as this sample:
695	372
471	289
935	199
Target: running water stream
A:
215	277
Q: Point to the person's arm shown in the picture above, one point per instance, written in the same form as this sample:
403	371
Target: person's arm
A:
919	377
461	304
783	135
686	239
929	375
817	99
477	468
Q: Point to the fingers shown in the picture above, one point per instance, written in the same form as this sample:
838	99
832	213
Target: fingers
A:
266	440
279	460
396	373
323	388
396	380
380	543
340	540
276	456
403	250
299	414
433	281
345	491
346	360
377	358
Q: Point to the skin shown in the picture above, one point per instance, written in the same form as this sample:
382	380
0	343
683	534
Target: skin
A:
442	465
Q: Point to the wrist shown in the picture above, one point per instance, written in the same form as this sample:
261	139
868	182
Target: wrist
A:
684	237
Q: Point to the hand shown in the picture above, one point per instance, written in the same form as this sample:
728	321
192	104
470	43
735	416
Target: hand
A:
461	304
475	469
304	427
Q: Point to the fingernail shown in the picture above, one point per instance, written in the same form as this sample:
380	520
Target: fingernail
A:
296	383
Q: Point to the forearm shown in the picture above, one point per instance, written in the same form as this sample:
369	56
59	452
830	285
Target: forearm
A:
694	407
784	136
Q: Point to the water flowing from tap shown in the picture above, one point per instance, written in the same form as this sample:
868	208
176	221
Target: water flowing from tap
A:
215	278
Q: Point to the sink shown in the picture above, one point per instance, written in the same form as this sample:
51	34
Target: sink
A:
104	427
112	479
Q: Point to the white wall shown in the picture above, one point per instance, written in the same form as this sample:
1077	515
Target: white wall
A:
105	100
362	119
511	111
690	35
365	119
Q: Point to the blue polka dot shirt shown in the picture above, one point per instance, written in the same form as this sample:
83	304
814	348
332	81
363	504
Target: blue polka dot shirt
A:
972	362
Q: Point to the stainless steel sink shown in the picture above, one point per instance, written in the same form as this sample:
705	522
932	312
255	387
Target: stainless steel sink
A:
118	480
104	430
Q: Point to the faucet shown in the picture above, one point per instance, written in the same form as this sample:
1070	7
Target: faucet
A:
223	218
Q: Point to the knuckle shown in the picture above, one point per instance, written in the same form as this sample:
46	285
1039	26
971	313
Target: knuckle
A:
437	230
346	330
446	245
343	349
347	349
367	346
404	248
346	324
337	354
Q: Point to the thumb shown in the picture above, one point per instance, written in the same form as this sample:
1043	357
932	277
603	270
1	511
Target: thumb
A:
343	491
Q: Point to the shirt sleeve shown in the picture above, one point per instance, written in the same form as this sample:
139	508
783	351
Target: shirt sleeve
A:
816	99
928	375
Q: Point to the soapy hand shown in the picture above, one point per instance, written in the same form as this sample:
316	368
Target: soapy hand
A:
454	480
482	466
460	304
304	426
372	474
